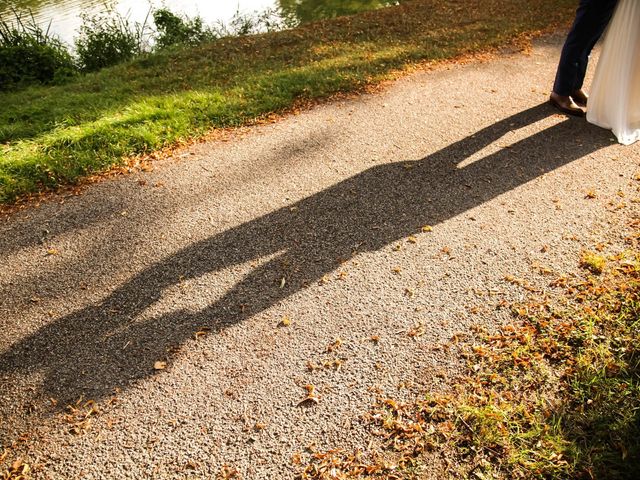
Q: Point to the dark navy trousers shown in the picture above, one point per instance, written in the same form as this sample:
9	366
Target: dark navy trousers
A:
592	19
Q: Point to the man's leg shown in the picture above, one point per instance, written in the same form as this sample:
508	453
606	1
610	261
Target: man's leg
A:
596	23
592	17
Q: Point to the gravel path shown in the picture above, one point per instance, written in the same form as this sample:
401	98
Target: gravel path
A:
239	262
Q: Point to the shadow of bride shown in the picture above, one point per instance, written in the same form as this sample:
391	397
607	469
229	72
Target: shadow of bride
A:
96	349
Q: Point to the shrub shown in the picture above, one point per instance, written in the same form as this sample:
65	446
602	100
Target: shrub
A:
269	20
30	55
108	39
173	29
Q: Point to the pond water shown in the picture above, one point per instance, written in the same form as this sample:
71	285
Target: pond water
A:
64	15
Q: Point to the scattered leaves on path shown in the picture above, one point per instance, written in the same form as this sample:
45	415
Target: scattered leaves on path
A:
555	394
17	471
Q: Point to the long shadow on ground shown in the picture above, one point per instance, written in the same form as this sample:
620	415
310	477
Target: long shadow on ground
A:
83	354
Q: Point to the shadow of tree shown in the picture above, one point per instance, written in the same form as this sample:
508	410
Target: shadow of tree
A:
82	353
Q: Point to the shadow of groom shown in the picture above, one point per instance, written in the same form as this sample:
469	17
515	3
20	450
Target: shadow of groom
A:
83	353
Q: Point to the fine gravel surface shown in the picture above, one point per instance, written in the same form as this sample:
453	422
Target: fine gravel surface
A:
179	310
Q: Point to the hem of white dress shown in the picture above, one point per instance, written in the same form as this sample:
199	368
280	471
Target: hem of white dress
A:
626	139
623	138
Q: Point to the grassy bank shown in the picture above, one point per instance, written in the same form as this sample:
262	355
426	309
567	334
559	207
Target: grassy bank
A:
554	395
52	136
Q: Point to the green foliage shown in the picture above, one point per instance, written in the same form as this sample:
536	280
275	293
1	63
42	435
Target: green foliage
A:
108	39
173	29
593	262
30	55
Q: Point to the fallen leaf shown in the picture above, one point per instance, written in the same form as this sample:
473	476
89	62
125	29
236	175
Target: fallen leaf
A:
159	365
227	473
337	343
202	332
311	395
417	330
285	322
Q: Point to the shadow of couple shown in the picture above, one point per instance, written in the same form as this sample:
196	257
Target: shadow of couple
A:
83	353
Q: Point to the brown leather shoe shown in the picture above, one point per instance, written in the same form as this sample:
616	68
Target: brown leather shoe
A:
580	97
566	105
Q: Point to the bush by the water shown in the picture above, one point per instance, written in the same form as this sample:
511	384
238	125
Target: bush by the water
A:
173	29
28	54
108	39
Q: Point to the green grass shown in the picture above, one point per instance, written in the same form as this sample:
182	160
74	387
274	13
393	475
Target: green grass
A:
53	136
593	262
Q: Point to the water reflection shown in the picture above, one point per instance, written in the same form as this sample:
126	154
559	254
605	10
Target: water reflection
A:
64	15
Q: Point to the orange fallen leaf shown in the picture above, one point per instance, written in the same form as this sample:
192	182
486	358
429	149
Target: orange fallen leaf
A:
311	395
203	331
159	365
337	343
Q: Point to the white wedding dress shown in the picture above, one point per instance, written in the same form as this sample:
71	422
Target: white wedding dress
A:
614	102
